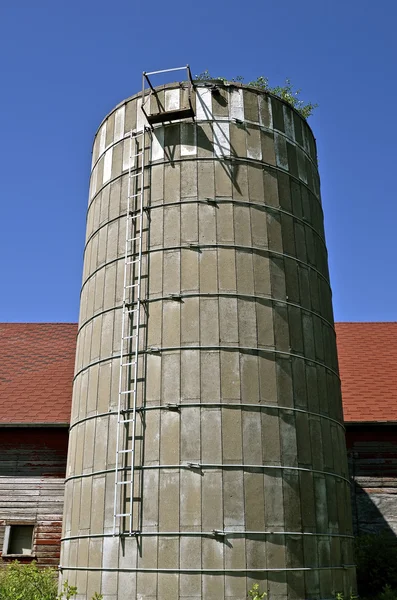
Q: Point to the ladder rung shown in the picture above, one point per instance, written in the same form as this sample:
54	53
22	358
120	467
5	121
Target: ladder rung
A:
133	239
132	311
127	421
135	195
129	337
131	286
123	515
123	482
135	155
132	262
125	451
135	174
128	392
128	364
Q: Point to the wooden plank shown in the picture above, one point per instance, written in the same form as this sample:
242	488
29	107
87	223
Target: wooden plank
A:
21	503
31	480
31	513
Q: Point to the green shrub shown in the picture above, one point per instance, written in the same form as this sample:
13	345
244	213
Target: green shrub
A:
68	591
255	594
387	594
285	92
29	582
340	596
376	558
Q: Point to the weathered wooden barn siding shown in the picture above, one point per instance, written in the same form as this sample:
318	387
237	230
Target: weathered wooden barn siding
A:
32	471
372	453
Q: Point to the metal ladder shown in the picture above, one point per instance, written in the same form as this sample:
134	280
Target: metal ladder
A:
123	520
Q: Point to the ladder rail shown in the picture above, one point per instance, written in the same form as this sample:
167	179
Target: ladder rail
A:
133	233
123	318
138	323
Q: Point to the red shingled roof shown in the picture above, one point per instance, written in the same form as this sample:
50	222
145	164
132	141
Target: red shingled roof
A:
37	362
368	369
36	372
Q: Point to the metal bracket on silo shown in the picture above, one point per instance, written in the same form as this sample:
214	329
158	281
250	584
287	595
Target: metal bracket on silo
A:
170	406
193	465
144	303
194	246
218	533
130	304
176	297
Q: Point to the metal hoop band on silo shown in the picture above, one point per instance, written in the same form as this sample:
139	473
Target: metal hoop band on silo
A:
224	432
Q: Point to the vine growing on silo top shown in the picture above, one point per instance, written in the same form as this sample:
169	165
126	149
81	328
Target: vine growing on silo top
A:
285	92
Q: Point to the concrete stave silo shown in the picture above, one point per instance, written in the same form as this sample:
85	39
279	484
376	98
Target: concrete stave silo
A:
240	462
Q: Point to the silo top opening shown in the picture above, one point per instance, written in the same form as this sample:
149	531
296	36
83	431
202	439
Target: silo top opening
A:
156	109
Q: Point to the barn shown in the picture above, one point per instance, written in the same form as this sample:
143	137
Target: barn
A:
36	377
36	374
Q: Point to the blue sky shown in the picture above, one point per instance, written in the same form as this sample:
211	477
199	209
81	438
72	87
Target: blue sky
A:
64	65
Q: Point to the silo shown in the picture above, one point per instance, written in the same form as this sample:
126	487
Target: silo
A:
207	446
